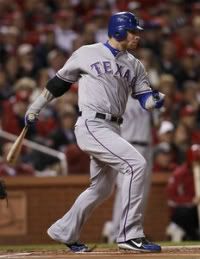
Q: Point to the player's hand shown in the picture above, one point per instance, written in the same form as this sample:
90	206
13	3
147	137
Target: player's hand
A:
158	98
30	118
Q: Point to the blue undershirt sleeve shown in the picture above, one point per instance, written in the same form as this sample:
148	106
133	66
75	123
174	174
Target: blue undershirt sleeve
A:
142	98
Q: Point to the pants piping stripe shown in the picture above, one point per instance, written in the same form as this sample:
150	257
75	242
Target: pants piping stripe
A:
128	206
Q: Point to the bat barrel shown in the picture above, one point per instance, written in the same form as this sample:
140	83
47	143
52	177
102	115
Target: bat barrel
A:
14	152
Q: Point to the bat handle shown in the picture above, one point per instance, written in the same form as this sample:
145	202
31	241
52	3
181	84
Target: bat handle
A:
26	128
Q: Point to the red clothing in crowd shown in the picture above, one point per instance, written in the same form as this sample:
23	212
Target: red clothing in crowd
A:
180	188
19	170
78	161
14	124
168	169
10	120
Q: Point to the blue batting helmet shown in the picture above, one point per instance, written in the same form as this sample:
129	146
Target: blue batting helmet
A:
122	22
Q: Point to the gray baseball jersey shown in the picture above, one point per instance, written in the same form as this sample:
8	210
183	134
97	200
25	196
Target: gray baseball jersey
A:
136	126
105	82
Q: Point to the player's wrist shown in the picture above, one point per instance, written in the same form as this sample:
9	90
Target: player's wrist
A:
30	118
33	111
155	100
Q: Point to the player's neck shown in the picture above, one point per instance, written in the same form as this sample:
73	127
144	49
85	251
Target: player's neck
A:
116	44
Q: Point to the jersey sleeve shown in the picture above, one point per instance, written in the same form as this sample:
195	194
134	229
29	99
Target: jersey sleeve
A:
141	83
70	72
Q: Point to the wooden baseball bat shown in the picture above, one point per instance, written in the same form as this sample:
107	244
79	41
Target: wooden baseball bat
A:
15	150
196	173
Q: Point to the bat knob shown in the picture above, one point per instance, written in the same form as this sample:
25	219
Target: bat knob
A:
31	118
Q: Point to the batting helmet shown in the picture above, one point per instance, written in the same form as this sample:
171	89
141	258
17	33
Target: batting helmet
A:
122	22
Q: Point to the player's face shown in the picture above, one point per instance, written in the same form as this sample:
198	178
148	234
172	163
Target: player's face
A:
131	41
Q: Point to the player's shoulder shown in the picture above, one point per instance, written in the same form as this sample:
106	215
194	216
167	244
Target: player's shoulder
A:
133	59
90	47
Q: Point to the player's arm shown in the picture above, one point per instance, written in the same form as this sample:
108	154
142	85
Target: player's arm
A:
142	91
55	87
150	100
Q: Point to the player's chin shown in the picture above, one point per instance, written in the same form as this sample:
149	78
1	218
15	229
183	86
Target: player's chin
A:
132	45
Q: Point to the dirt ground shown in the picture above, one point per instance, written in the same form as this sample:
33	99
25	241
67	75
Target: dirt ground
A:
183	252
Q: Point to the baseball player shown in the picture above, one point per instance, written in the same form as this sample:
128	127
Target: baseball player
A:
136	129
106	74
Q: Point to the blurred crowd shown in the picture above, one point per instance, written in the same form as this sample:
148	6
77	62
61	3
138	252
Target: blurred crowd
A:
37	37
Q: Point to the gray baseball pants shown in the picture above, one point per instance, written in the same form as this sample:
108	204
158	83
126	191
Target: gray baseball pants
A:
110	154
115	223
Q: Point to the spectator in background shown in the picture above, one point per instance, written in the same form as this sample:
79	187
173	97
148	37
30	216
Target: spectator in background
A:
42	78
70	97
163	158
183	201
64	134
184	39
168	60
64	30
18	21
196	26
5	90
189	67
190	94
58	138
10	40
182	141
56	59
135	7
78	161
14	108
146	57
166	132
46	44
100	18
63	140
152	37
188	117
27	62
87	37
167	84
11	69
177	15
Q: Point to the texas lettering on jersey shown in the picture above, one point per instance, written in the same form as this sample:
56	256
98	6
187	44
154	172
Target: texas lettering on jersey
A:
106	67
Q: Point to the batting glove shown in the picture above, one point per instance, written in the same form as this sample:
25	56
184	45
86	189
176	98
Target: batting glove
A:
30	118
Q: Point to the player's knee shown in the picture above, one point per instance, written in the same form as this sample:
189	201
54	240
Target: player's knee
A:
105	191
142	163
108	191
136	165
102	190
